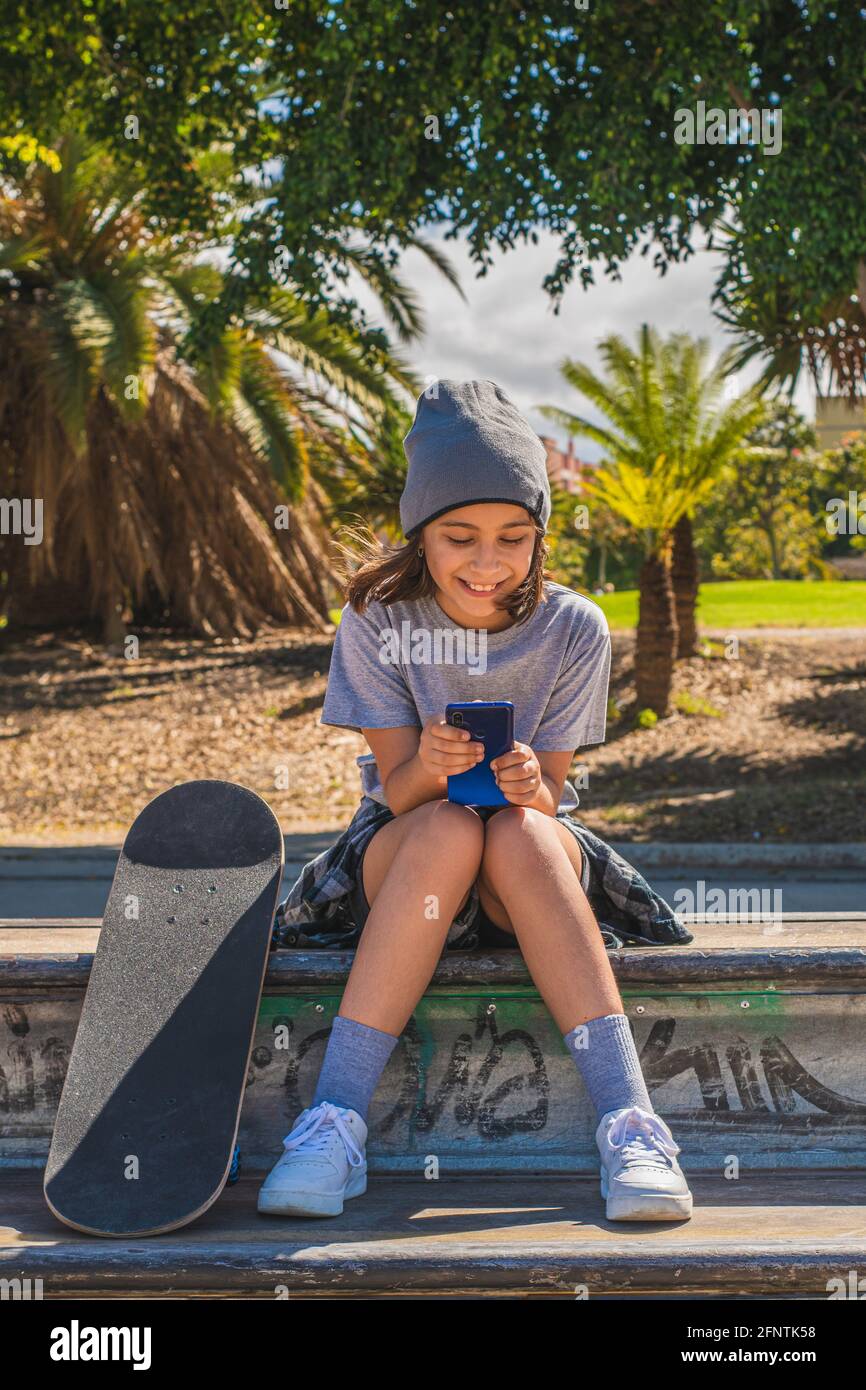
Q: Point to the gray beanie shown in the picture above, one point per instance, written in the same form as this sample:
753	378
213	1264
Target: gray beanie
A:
469	443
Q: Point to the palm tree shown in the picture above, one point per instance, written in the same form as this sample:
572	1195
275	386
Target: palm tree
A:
182	461
767	322
370	492
663	399
652	501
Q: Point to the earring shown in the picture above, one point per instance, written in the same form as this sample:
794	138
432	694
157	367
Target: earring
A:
420	550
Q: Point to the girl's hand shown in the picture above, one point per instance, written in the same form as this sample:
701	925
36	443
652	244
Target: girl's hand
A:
518	774
444	750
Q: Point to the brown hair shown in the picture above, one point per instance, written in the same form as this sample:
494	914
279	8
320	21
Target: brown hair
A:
390	573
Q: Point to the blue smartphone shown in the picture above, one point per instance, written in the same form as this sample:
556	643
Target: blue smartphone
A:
490	722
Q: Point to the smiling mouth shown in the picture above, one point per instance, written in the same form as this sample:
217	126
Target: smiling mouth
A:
482	591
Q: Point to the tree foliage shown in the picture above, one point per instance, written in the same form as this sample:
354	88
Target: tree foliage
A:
494	117
771	516
163	455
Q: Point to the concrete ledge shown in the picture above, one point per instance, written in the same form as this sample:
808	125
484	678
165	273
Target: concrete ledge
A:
654	855
750	1040
291	970
98	861
799	950
763	1235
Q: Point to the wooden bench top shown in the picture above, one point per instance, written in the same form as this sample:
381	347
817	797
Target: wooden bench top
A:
767	1233
811	949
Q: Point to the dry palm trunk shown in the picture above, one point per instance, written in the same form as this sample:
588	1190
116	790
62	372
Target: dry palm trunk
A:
175	504
656	635
684	577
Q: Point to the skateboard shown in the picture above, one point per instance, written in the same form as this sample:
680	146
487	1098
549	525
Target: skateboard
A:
145	1133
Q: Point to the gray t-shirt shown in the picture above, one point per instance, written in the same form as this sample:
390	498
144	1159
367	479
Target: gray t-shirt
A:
402	663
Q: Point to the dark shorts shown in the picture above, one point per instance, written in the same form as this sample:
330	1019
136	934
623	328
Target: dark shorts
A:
487	932
484	931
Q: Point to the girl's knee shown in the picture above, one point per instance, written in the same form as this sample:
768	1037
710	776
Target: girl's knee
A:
459	826
515	823
513	833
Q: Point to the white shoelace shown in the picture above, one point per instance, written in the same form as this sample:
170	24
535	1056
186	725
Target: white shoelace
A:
639	1135
311	1131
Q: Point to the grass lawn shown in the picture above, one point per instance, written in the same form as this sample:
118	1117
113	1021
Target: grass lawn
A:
761	603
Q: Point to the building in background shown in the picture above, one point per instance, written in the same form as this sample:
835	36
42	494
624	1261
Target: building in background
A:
834	418
566	468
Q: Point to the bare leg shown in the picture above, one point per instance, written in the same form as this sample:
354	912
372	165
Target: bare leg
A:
530	884
421	863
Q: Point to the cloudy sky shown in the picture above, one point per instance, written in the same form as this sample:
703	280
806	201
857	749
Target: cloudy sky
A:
507	331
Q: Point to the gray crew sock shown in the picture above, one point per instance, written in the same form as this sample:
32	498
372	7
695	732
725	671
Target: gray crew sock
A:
354	1061
605	1055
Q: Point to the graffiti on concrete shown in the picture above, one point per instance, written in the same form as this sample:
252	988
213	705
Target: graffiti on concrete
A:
470	1079
482	1077
489	1079
784	1075
18	1080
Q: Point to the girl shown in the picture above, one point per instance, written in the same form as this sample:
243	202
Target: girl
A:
474	509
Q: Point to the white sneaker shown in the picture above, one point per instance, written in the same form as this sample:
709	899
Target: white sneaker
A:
640	1177
324	1163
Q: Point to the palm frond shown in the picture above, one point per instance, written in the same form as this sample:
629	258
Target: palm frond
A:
400	304
164	435
263	412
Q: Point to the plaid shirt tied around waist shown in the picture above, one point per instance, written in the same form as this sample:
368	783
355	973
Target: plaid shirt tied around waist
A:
316	911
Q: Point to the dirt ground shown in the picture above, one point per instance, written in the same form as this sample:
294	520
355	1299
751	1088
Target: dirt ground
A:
768	746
